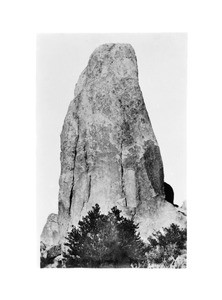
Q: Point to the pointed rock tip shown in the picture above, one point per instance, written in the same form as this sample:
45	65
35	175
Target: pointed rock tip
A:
109	46
121	47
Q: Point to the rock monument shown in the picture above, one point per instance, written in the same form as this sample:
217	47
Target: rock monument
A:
109	153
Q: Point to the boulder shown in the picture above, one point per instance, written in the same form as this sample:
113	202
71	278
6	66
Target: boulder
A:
50	257
50	234
54	251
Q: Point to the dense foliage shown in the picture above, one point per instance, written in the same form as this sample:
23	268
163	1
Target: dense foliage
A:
112	241
167	248
104	240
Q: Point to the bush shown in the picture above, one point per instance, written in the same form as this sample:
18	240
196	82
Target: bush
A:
104	240
164	248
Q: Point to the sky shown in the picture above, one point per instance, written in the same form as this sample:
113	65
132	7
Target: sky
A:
162	66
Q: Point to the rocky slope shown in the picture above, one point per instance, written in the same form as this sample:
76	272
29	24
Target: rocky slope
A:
109	153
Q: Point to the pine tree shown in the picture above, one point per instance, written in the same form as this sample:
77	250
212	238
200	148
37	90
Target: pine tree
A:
104	240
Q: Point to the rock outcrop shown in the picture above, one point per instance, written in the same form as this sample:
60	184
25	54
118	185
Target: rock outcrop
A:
50	233
109	153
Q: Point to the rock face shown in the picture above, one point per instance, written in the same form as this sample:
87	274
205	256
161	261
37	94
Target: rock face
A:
50	233
109	153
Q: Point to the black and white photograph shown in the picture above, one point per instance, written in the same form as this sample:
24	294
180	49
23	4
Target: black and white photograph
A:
111	150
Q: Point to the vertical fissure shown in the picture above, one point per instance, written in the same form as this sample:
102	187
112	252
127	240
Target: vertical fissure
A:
138	191
122	173
86	158
74	163
87	171
89	187
121	155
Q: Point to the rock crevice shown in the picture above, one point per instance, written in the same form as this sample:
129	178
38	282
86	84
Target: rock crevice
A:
74	163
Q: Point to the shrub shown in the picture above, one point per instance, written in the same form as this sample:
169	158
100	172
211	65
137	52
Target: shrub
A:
166	246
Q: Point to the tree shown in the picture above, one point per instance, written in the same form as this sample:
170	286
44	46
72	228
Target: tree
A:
101	240
164	247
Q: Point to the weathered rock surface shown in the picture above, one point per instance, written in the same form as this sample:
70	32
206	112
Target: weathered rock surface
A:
50	233
183	208
109	153
51	256
54	251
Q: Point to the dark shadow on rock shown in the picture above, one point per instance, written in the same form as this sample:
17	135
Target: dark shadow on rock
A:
169	193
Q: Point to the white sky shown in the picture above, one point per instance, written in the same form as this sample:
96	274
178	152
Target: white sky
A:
162	76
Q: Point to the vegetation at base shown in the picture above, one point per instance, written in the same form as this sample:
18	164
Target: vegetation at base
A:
104	240
113	241
167	248
45	261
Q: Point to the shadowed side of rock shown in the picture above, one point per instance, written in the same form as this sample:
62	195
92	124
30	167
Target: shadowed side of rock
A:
169	193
